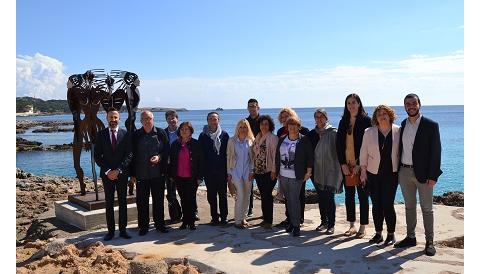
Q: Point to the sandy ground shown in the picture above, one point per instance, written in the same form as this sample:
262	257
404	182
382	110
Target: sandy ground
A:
258	250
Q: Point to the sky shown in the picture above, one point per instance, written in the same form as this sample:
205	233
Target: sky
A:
208	54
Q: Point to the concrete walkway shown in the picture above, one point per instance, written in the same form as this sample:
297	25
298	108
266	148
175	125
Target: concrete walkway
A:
257	250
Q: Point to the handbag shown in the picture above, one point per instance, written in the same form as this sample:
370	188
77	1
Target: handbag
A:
352	179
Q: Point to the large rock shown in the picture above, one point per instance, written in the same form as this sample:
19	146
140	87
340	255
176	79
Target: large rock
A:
454	198
148	264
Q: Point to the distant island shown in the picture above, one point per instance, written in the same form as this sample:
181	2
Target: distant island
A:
34	106
219	109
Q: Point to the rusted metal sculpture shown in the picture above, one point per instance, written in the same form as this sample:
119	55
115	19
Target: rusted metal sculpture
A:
85	93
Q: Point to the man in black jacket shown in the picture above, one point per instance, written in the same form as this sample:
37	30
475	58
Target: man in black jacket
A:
148	170
113	154
253	111
174	208
420	157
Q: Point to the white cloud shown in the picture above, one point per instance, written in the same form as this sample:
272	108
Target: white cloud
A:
41	76
438	80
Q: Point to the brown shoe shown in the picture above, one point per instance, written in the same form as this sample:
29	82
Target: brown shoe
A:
360	235
350	232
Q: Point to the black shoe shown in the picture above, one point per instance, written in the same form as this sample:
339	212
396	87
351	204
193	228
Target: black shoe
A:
183	226
407	242
125	235
430	249
378	238
109	236
390	240
192	227
289	228
296	231
162	229
285	222
214	222
143	231
223	222
196	217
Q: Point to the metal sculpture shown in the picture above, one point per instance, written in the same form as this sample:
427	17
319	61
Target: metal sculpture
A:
85	93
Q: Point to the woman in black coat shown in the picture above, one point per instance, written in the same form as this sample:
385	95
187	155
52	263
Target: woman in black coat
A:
349	141
186	170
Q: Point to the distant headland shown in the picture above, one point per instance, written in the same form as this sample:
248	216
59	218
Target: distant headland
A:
27	106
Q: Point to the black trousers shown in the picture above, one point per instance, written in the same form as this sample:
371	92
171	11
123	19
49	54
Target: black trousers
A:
187	189
109	188
327	207
382	192
265	184
250	206
174	208
216	183
156	187
350	203
302	204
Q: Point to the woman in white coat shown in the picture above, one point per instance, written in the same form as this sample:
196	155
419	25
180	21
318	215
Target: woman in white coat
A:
379	170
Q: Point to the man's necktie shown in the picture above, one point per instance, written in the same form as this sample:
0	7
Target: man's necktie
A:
114	140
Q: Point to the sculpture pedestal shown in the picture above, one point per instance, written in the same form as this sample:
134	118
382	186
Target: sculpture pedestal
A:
89	202
86	213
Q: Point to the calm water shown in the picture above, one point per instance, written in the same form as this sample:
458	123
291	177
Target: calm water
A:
450	119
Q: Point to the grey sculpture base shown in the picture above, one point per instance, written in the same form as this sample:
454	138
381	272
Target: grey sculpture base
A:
84	219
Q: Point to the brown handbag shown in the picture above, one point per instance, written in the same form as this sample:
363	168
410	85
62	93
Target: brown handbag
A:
352	179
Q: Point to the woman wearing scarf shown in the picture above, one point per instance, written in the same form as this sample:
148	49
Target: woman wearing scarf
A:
240	169
264	148
327	174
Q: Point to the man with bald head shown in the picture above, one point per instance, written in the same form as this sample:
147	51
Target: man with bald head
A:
148	170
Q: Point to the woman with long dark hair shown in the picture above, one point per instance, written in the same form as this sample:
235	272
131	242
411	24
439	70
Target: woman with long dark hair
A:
349	141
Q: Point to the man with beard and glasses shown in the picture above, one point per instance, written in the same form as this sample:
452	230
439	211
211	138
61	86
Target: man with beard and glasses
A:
113	154
420	157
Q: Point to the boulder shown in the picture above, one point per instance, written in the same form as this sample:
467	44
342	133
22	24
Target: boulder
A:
148	264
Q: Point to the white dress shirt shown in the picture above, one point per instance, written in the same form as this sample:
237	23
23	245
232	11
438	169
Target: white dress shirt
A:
408	139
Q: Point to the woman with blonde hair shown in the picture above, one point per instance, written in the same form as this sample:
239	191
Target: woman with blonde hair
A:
240	169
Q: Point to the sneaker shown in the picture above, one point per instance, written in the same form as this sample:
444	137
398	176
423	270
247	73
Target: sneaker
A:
321	228
296	231
223	222
378	238
430	249
407	242
330	231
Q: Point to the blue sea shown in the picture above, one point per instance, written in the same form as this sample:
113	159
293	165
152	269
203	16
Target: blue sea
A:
60	163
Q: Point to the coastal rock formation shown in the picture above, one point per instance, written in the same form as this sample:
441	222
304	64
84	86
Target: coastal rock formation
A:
35	195
24	145
52	129
24	125
454	198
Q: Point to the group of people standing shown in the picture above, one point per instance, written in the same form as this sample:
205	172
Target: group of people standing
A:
367	155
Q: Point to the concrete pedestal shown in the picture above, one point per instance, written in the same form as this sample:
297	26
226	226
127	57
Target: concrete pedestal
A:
84	219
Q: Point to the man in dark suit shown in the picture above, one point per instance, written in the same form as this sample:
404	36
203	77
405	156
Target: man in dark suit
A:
113	154
420	157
